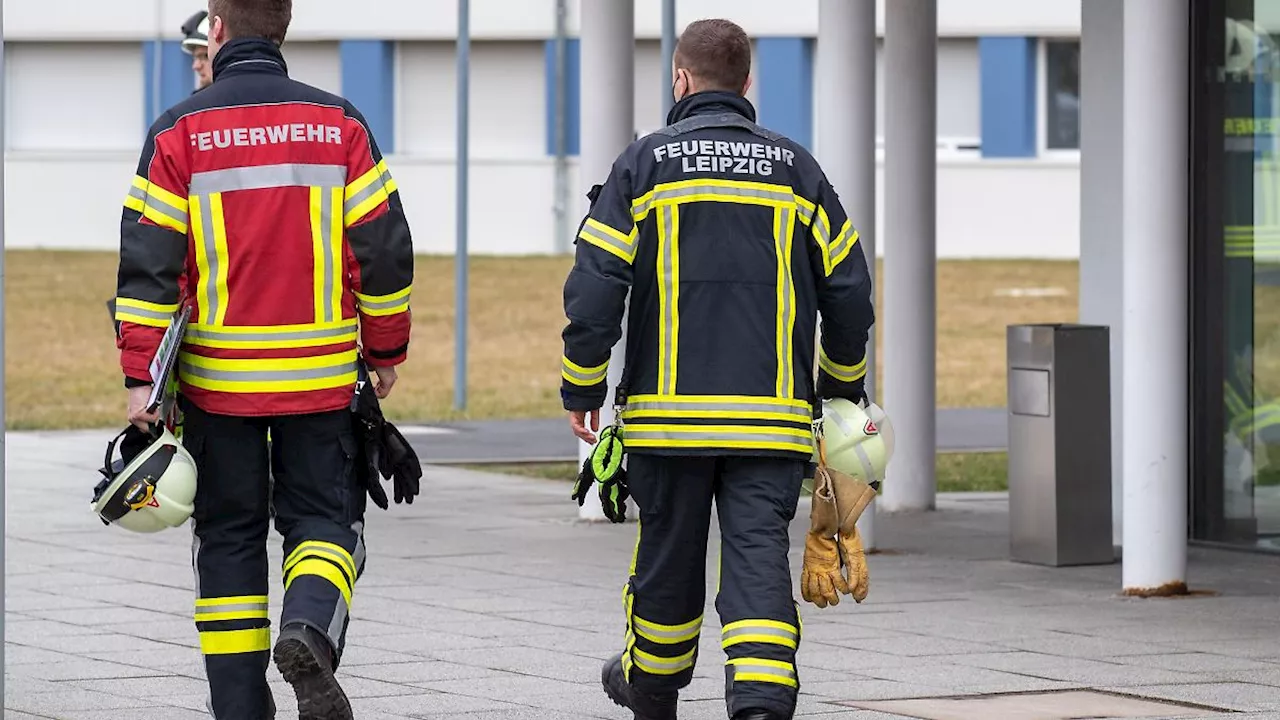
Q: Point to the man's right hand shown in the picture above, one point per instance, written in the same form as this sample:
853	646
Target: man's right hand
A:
386	378
138	415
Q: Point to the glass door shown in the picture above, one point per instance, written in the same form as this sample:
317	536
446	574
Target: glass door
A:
1236	272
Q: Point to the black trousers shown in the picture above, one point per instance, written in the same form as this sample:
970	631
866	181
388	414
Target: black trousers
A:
319	510
756	500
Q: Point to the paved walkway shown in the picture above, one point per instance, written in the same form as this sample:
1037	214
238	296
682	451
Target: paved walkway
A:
549	440
486	600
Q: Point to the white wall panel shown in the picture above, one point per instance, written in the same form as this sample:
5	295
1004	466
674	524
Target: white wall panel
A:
509	19
507	99
959	88
318	64
105	80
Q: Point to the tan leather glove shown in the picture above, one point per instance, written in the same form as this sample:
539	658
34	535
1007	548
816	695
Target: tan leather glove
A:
854	560
820	580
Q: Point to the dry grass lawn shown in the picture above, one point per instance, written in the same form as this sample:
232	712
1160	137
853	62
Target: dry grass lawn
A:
61	363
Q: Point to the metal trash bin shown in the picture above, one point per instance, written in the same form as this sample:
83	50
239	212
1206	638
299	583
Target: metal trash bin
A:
1060	444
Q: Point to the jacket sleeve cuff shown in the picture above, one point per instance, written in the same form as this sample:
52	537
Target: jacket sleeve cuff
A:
584	401
829	387
386	358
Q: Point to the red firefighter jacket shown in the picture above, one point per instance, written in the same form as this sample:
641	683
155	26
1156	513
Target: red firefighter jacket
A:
266	206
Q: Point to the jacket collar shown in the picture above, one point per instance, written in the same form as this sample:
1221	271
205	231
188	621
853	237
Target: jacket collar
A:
249	55
710	101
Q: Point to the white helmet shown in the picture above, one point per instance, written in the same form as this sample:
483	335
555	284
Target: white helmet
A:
858	441
151	491
196	32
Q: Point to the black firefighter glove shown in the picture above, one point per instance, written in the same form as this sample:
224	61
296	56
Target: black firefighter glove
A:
368	423
398	461
603	467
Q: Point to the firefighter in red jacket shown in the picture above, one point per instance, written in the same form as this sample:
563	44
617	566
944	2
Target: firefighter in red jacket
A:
265	205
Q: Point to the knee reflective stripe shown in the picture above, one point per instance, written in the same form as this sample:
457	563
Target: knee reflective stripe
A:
655	665
762	670
322	559
770	632
667	634
234	642
233	611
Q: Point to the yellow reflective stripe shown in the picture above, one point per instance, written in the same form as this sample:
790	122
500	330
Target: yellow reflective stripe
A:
668	634
324	569
727	402
326	248
241	607
141	312
283	336
215	602
234	642
254	614
166	197
762	670
783	225
843	373
655	665
319	548
368	192
770	632
269	374
712	190
843	244
583	376
627	238
364	181
668	297
209	232
821	230
383	305
224	259
157	204
697	407
720	436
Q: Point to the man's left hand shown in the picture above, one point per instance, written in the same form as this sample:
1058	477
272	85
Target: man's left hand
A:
578	423
138	415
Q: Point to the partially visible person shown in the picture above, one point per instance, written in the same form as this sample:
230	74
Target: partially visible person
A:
196	44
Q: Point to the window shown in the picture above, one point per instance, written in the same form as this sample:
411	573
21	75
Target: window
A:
1062	95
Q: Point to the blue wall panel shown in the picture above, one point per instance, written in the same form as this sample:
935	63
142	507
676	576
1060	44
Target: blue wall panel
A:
572	75
369	82
785	80
176	80
1008	96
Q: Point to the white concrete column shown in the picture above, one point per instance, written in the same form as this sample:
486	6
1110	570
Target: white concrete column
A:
1155	293
608	126
910	177
1102	208
845	124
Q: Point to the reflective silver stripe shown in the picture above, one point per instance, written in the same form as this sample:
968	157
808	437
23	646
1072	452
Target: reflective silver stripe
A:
662	666
585	378
676	634
126	309
845	428
230	608
748	668
840	373
137	193
694	408
164	208
823	232
728	636
268	176
805	213
211	255
384	304
640	432
668	303
728	192
198	333
842	240
330	261
268	375
378	184
600	238
788	300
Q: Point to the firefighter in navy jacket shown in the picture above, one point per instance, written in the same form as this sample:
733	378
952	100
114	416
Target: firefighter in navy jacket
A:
265	206
731	242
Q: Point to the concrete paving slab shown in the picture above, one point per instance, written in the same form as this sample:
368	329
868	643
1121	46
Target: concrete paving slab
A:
487	598
1035	706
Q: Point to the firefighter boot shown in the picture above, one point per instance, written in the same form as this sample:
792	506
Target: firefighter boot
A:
643	705
758	715
306	662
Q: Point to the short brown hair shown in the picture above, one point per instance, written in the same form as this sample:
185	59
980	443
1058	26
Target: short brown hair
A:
254	18
717	52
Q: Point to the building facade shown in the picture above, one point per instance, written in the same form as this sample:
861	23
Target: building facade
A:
1007	111
1235	278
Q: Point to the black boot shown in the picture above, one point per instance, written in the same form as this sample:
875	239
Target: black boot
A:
643	705
754	714
305	660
